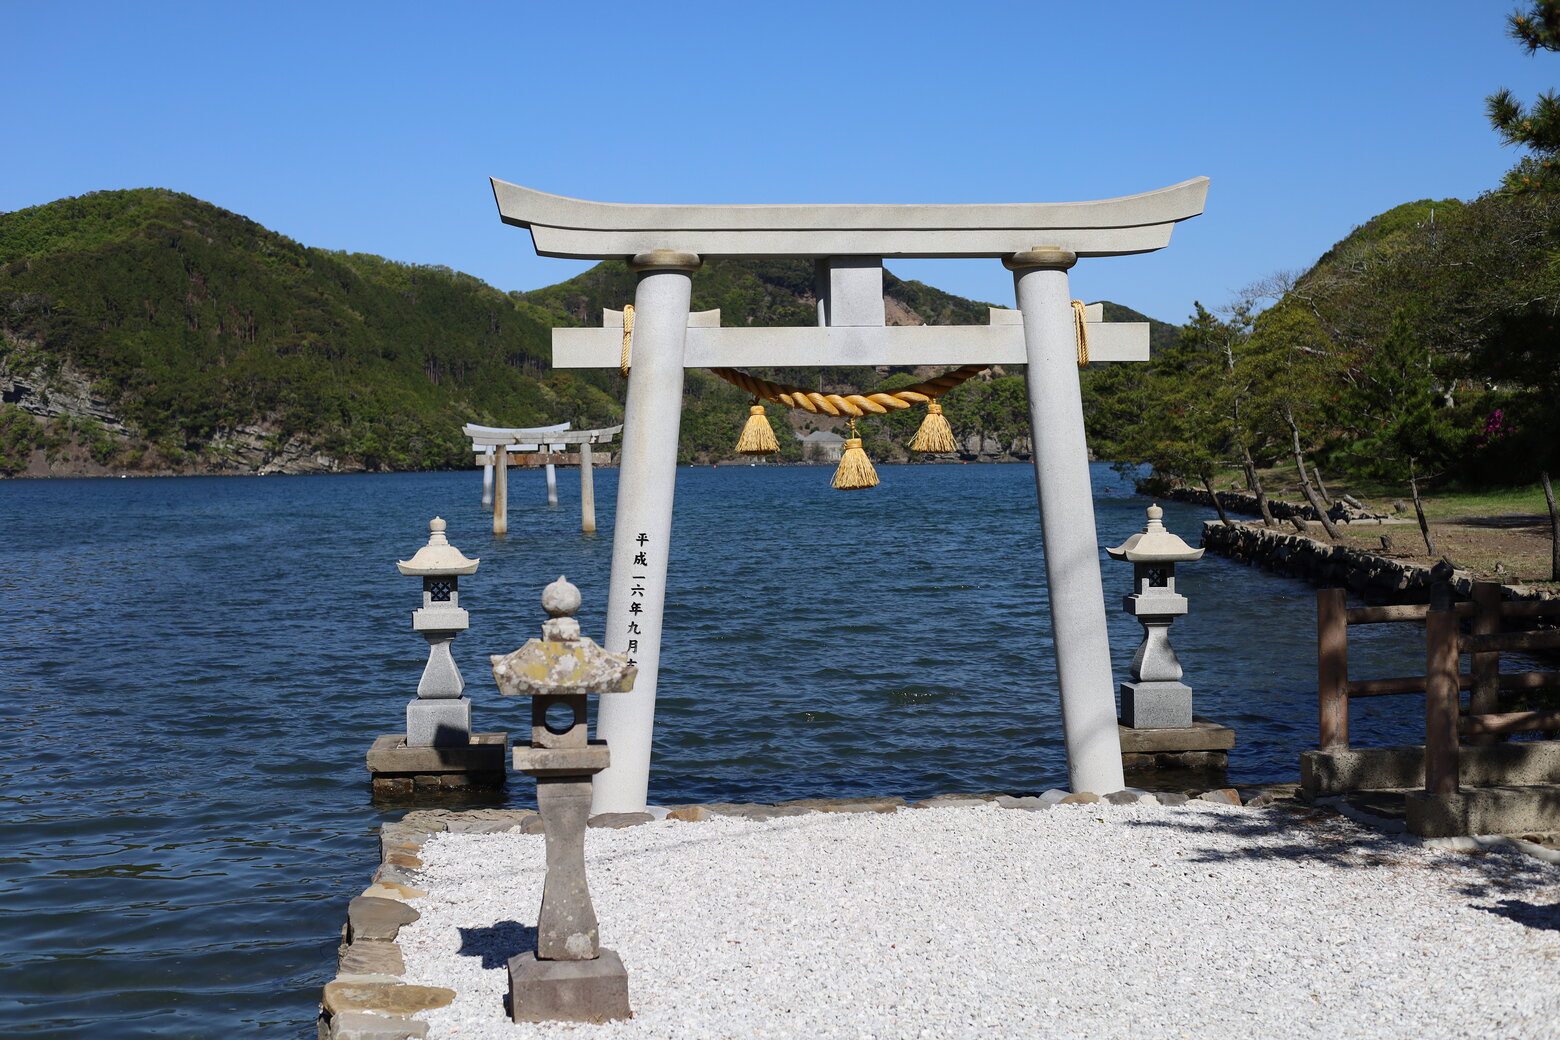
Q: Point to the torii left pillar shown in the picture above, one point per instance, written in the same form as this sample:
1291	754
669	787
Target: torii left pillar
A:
642	537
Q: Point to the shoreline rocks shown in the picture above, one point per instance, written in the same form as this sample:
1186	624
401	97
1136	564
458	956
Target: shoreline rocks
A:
1323	564
1375	578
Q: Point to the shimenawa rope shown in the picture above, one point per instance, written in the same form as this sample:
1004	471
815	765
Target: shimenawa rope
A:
1081	328
628	338
855	468
853	405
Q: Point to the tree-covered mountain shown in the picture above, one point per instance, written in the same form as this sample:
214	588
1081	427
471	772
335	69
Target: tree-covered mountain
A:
215	343
1424	347
148	330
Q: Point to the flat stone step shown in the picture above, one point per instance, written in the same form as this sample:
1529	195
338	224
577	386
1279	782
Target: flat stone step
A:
1505	809
1341	770
389	756
1201	735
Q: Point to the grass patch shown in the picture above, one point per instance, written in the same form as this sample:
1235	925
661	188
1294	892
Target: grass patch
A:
1500	534
1496	502
1280	482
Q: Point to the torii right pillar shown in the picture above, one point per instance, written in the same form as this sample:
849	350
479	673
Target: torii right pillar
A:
1072	562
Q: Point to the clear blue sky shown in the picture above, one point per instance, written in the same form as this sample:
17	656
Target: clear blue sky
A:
374	127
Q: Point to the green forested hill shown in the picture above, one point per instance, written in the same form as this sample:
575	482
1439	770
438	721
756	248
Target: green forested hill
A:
1422	349
154	331
192	322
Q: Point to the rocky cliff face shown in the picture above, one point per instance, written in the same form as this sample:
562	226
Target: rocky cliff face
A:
66	393
81	435
981	447
258	450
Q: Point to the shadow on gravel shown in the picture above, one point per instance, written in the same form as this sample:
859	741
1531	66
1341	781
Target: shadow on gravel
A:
496	943
1545	916
1319	838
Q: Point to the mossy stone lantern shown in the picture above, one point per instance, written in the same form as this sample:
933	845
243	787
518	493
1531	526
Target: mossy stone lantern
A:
439	716
1155	698
570	976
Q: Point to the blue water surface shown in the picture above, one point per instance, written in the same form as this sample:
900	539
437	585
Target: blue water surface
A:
193	669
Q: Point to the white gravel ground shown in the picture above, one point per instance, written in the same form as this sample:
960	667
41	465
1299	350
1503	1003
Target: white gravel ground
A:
1082	921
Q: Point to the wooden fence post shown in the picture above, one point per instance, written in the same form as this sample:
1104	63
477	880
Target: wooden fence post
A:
1484	668
1332	669
1441	707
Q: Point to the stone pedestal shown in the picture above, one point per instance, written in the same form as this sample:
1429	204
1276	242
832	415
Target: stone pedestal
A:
399	769
566	929
445	722
568	991
1156	705
1505	809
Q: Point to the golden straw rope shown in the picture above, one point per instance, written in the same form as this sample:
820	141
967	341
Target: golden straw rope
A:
855	405
1081	325
628	338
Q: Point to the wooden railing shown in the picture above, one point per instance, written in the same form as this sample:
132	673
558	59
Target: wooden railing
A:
1445	725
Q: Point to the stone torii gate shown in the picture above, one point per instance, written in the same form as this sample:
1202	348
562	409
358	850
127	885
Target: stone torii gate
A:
486	440
494	445
665	244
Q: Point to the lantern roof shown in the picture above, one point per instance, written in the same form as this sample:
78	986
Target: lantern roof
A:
438	558
1155	544
563	661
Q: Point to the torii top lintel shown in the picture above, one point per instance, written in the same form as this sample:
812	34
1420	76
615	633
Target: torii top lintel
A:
582	230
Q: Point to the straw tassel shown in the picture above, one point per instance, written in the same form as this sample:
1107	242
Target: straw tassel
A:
855	468
935	435
758	438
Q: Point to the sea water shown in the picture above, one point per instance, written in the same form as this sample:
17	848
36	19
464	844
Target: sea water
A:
193	669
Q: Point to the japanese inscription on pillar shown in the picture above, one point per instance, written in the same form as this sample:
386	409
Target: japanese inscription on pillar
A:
636	592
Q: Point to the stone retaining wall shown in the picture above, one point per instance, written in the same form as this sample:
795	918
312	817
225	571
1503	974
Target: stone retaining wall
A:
1246	504
1376	578
1326	565
1240	502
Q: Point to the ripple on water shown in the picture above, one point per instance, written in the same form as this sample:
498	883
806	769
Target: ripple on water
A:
194	669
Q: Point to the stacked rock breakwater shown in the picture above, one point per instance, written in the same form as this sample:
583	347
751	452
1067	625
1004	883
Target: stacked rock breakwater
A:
1374	577
1323	564
1239	502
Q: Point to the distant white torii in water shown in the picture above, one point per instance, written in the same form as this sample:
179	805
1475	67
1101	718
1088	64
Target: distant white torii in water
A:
494	445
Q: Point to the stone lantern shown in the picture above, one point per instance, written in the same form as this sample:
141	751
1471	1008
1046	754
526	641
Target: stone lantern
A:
570	976
438	752
439	716
1155	698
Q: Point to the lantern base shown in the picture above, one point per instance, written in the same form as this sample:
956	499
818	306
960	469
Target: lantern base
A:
438	722
400	770
1156	705
568	991
1203	747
